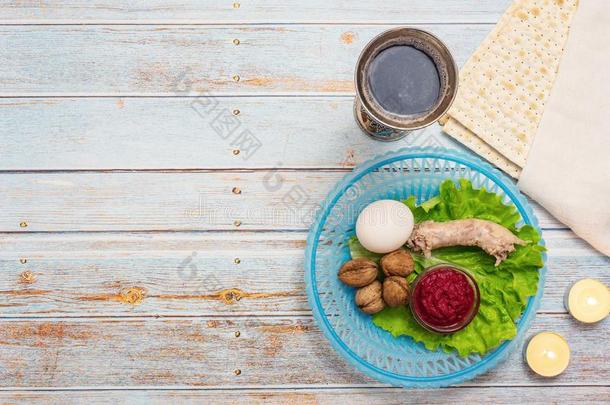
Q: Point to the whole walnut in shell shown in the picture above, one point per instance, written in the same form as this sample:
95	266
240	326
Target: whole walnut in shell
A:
358	272
369	298
397	263
395	291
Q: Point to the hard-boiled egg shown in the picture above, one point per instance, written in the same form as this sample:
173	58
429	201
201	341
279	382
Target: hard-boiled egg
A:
384	226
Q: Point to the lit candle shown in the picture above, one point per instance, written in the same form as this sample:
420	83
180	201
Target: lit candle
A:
588	300
548	354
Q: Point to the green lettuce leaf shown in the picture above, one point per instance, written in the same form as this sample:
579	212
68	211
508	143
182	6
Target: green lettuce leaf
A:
504	289
357	251
468	202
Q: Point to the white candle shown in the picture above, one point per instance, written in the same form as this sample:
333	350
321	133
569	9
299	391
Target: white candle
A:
548	354
588	301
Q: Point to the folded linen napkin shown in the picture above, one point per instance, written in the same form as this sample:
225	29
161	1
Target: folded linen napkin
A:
536	111
568	166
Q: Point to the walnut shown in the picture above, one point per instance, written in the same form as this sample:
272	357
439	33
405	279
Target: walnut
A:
369	298
395	291
397	263
358	272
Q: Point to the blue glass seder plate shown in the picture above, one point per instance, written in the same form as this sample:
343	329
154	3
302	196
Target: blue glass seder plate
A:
372	350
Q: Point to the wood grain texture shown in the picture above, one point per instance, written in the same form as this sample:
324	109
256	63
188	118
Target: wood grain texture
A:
250	11
188	352
98	316
170	133
269	200
319	396
196	274
158	60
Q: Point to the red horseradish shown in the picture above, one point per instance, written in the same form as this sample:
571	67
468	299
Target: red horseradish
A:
444	299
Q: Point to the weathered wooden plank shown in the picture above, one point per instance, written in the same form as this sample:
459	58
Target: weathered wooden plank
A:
197	274
206	352
249	11
152	274
158	60
169	133
321	396
204	200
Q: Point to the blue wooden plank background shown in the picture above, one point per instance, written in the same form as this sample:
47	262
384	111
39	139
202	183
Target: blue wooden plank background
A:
144	256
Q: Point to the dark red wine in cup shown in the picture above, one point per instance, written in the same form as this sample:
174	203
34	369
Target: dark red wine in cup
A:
404	80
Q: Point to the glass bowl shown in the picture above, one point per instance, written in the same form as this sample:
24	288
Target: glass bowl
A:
458	325
375	352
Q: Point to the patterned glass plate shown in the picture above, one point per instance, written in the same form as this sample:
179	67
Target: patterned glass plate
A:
372	350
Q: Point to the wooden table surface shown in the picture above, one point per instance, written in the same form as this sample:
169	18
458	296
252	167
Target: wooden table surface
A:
158	164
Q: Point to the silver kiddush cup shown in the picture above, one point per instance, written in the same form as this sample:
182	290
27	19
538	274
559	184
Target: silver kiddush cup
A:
383	125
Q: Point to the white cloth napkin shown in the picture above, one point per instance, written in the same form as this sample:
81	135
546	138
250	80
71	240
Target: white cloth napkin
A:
568	166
